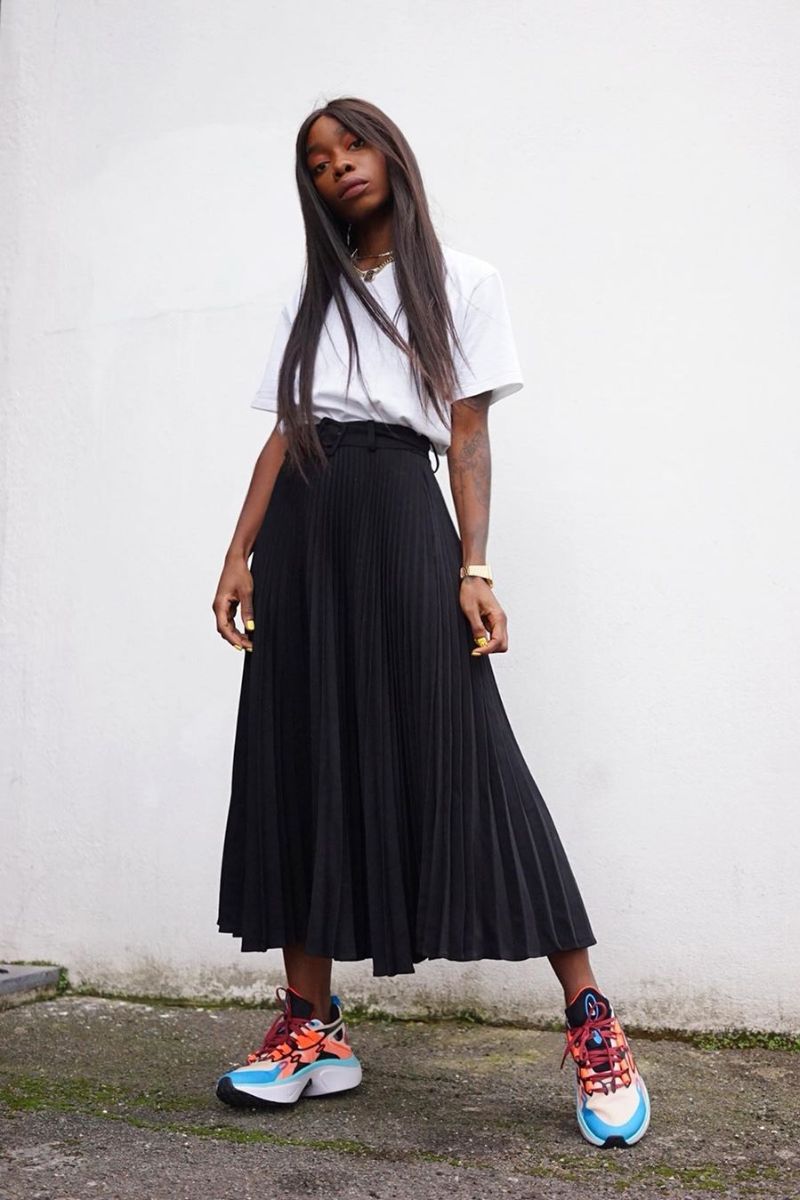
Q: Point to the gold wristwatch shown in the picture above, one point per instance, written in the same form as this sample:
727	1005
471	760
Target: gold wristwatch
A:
481	569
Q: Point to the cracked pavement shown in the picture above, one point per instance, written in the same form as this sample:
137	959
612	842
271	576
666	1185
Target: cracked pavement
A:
113	1098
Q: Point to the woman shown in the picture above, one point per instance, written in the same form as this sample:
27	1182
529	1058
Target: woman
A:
380	804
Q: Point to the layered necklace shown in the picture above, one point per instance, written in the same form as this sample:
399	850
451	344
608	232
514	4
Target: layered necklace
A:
371	272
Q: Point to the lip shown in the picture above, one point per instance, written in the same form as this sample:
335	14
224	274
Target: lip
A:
353	187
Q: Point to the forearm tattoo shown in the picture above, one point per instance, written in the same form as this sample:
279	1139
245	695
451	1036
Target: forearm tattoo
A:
470	469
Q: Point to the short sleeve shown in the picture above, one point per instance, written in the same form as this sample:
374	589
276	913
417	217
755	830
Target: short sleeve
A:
267	395
489	345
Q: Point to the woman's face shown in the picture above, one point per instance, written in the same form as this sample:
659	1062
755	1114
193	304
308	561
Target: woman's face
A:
336	159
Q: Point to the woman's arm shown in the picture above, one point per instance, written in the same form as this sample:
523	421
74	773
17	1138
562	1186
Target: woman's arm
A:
469	462
235	585
258	495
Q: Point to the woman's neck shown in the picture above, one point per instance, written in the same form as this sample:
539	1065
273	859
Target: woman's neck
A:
373	237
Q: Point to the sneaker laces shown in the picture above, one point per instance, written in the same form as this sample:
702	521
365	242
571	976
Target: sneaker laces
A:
282	1028
601	1051
295	1041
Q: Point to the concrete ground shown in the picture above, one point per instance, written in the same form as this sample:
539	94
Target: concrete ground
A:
111	1098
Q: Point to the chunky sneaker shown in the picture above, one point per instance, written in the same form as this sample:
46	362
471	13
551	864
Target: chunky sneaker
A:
299	1055
613	1106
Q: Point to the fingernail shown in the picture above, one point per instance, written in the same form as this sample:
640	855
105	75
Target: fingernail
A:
249	624
236	646
474	652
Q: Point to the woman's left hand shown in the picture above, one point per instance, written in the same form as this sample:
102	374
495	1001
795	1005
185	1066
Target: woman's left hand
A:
483	611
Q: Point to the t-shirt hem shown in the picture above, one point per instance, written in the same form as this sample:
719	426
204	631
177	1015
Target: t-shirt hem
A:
500	387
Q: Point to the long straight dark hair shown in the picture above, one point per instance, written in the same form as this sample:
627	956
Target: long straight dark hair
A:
419	272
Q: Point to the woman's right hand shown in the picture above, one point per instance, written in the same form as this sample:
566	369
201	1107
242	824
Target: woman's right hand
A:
235	588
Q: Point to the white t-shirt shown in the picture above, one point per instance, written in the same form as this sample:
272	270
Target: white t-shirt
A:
477	298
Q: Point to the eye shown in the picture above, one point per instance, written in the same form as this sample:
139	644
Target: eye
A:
357	143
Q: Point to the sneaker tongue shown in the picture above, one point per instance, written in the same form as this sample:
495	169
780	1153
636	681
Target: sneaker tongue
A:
298	1005
587	1004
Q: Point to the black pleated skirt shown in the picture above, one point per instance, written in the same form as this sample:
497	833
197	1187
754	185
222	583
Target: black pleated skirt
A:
380	805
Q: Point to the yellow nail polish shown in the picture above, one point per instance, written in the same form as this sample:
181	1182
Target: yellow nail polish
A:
249	624
236	646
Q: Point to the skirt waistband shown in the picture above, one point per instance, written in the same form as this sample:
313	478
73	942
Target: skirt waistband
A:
369	433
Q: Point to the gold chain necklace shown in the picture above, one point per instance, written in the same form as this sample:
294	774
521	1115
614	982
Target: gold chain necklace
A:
371	272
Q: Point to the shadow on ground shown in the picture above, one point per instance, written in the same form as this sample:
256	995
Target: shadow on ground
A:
112	1098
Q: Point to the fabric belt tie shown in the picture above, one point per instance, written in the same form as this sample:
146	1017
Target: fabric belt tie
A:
333	434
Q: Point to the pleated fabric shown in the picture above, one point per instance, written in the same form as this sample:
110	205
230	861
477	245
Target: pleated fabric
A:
380	804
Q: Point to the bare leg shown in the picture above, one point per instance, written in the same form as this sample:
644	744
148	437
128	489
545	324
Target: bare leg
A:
310	975
574	971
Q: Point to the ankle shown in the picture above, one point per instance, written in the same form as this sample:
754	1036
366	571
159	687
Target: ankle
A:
322	1009
320	1002
571	994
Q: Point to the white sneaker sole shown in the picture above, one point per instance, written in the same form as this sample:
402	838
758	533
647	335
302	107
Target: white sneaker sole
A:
322	1080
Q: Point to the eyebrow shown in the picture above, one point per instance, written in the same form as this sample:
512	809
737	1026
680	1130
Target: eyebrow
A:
340	129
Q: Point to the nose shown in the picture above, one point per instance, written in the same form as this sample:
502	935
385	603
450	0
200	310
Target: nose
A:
340	168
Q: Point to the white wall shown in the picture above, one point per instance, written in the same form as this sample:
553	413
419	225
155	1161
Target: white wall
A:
633	171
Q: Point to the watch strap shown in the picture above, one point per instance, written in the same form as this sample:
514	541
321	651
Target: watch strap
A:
483	570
